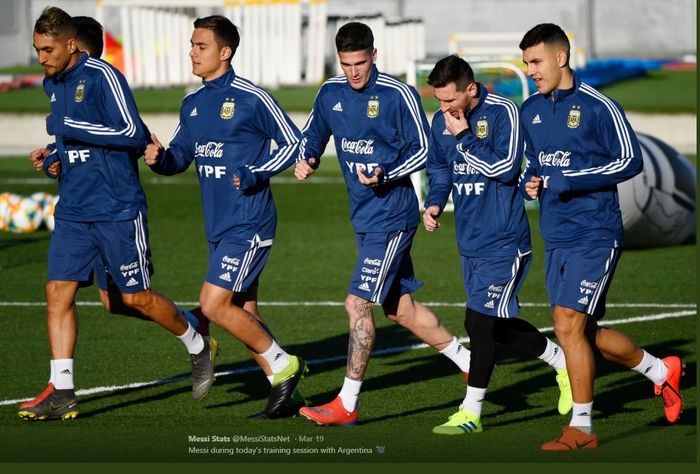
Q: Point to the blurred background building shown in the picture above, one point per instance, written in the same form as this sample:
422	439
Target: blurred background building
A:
290	41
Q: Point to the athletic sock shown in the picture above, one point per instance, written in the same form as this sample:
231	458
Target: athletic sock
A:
474	399
276	357
554	356
581	417
52	374
349	393
191	318
458	354
63	374
192	340
652	368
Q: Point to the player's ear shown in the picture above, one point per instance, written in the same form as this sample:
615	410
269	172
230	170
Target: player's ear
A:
562	58
226	53
72	45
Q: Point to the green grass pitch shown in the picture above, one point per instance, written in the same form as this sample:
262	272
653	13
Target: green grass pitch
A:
407	391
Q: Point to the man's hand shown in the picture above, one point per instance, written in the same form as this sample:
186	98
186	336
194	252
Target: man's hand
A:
532	187
304	168
455	125
430	217
243	178
373	180
150	156
38	156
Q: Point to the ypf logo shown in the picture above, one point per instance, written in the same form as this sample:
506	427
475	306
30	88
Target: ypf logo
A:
78	155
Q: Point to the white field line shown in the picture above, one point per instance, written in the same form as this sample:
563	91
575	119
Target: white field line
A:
325	360
435	304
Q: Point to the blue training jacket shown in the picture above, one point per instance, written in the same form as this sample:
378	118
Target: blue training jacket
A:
226	127
99	138
481	170
580	142
382	125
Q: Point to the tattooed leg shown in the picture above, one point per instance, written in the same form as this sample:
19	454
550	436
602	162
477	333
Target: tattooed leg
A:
362	334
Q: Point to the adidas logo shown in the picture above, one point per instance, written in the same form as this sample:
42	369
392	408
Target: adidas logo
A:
446	132
132	282
583	300
194	112
537	119
65	371
364	287
338	107
53	97
225	276
489	305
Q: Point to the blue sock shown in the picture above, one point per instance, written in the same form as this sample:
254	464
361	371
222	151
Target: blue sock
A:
191	318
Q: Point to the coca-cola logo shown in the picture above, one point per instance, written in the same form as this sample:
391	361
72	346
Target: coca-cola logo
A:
463	168
209	150
558	158
231	260
357	147
589	284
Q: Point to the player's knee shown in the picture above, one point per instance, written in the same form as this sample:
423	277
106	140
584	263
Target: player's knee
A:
350	302
568	325
52	289
210	308
477	324
59	295
357	307
140	301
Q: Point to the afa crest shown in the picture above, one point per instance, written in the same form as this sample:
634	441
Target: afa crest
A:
574	119
373	107
227	109
482	128
79	92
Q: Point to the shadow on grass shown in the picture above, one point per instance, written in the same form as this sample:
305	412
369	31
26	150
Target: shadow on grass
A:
328	355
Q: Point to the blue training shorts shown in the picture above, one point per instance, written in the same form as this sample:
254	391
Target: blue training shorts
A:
236	266
579	278
492	283
384	270
119	248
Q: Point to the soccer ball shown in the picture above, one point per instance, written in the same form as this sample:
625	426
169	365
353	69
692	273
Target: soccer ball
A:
48	213
4	207
24	215
658	205
42	198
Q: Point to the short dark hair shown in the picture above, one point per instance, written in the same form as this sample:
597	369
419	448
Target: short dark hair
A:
55	22
354	36
89	35
225	32
451	69
549	34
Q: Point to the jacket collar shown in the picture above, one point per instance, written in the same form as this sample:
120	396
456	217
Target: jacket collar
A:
222	81
63	75
562	94
483	92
